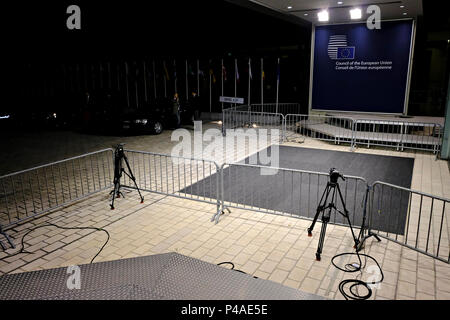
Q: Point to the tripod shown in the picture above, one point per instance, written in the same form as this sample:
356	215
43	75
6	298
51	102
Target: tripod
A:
119	155
326	209
362	236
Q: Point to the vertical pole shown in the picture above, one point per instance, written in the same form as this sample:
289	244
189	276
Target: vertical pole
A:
101	75
154	79
165	80
249	79
85	80
109	75
198	78
222	82
126	84
135	71
235	80
93	76
118	77
262	84
175	74
187	82
63	67
210	98
278	84
145	81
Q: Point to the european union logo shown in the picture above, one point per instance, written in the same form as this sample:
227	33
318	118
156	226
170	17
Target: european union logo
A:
346	53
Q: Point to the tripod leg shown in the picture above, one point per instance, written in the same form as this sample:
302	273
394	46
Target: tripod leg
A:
323	230
345	214
320	208
113	192
132	177
325	219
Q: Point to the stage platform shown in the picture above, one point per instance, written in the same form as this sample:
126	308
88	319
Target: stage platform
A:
169	276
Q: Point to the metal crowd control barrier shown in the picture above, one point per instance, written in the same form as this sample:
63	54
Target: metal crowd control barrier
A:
32	192
188	178
414	219
321	127
233	119
285	191
398	134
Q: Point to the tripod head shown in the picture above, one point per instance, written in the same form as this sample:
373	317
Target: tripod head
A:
335	175
118	150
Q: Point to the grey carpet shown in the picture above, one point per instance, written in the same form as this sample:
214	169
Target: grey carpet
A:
299	193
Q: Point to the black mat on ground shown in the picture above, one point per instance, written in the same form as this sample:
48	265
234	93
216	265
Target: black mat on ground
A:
299	194
169	276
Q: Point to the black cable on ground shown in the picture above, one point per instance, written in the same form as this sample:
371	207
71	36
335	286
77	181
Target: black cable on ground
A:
22	250
232	267
354	284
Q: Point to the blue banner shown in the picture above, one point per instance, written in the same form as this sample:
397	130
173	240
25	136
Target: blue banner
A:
358	69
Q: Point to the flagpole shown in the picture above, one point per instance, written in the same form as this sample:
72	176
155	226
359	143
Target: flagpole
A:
175	75
154	78
198	78
222	83
235	80
126	84
165	80
109	76
262	84
210	101
249	79
187	82
278	85
145	81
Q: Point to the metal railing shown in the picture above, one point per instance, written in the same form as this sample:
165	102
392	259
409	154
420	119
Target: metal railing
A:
411	218
414	219
386	133
233	119
284	191
188	178
398	134
321	127
32	192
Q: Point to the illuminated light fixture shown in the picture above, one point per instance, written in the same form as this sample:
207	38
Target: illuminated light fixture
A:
323	16
289	7
340	2
404	13
220	122
402	7
254	125
355	14
305	14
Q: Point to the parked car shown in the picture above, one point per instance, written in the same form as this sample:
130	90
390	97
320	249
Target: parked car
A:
156	116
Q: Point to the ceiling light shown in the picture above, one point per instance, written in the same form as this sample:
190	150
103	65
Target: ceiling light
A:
289	7
340	2
404	13
323	15
355	13
305	14
402	7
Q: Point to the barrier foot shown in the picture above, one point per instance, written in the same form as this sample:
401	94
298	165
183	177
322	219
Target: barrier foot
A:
7	237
